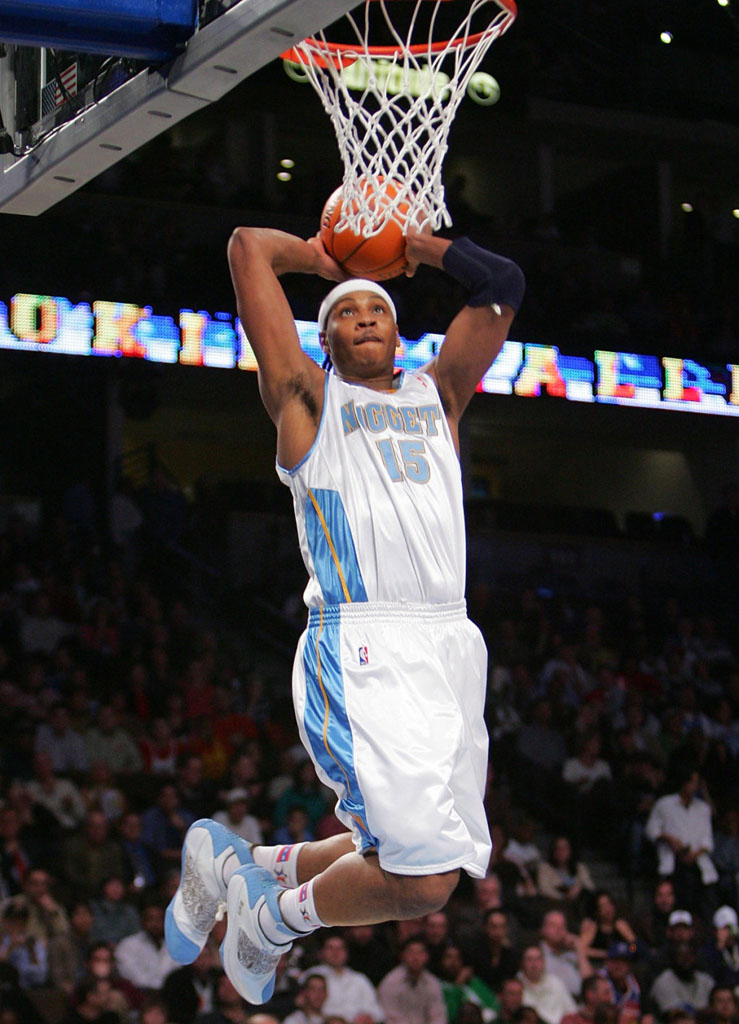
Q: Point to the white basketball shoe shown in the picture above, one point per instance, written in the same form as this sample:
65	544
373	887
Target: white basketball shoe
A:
249	957
200	899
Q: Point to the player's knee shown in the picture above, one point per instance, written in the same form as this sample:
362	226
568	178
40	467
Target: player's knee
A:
425	894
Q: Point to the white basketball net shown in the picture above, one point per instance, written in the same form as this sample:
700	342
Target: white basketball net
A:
392	115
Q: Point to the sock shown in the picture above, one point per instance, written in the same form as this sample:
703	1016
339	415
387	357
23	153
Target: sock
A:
280	861
298	909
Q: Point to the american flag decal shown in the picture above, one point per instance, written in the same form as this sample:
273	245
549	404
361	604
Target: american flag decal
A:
52	95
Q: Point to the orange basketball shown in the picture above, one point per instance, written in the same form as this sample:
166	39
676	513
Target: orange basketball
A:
378	257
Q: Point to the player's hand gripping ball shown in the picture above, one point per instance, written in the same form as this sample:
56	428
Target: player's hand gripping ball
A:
377	257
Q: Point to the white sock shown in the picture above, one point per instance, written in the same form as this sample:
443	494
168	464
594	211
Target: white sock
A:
298	909
280	861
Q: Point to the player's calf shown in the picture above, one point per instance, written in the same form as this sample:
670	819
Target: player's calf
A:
416	896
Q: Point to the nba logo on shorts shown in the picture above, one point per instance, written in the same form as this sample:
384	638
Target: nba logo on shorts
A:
363	656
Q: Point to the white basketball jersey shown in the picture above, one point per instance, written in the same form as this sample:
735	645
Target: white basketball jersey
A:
378	498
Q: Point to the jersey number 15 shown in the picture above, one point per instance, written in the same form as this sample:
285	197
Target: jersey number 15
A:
405	460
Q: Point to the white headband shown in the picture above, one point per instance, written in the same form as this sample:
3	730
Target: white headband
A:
357	284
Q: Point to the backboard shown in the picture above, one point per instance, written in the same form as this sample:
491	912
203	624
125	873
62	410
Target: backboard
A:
62	155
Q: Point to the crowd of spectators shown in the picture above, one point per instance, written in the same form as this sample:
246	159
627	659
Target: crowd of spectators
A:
126	715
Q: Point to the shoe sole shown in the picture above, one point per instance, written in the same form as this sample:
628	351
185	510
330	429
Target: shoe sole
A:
185	940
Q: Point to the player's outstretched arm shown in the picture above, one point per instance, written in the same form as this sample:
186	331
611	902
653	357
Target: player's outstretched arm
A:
257	257
476	335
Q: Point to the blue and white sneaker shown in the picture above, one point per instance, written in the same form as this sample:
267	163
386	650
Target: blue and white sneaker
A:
200	899
249	957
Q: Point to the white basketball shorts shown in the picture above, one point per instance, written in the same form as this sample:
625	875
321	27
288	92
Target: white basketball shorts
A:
389	701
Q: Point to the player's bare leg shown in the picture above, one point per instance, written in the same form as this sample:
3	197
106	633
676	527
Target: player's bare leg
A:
319	855
356	890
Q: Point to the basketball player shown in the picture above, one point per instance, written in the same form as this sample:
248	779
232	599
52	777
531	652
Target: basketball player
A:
389	677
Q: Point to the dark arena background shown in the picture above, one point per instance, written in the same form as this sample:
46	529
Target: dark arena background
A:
150	581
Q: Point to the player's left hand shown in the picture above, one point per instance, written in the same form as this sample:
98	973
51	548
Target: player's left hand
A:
326	266
424	247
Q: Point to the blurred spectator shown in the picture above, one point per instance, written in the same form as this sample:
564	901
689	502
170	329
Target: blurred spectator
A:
15	1003
191	990
58	739
197	793
140	861
295	830
102	793
68	952
625	989
606	927
199	691
522	850
47	917
538	741
723	1007
588	779
154	1011
563	877
93	1003
100	636
726	855
681	986
20	949
164	825
236	816
564	953
15	855
41	630
493	959
368	952
436	936
651	926
510	999
60	797
307	792
460	985
109	742
680	928
309	1001
91	856
143	958
719	957
159	749
124	997
113	916
410	994
680	827
543	991
350	993
595	990
230	1007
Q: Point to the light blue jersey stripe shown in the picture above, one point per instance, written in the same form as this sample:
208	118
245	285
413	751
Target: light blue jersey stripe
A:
332	548
326	722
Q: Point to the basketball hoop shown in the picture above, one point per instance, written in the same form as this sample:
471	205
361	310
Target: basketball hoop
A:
392	105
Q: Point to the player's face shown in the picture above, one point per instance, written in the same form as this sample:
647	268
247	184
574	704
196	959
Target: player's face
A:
361	335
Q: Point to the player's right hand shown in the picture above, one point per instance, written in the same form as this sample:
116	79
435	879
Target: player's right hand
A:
326	266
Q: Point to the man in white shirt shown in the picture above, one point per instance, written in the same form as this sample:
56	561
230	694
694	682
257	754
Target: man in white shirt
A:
351	994
543	991
142	958
680	827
